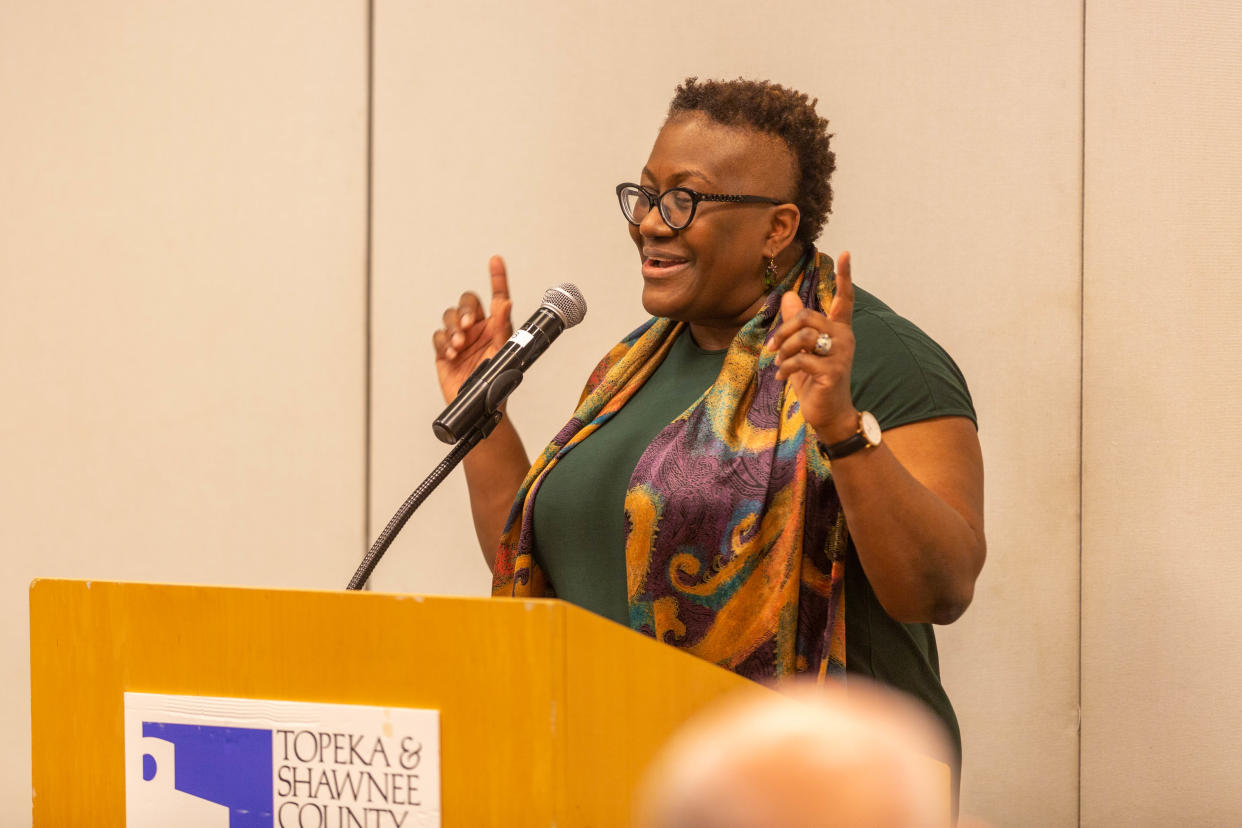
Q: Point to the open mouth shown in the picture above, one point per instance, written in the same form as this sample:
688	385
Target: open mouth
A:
660	264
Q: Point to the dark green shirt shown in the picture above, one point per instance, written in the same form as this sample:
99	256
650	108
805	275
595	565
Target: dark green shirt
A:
899	374
580	509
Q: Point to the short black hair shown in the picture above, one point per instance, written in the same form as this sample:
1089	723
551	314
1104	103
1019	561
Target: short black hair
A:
785	113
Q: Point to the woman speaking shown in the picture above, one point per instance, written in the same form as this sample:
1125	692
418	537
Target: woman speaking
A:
775	472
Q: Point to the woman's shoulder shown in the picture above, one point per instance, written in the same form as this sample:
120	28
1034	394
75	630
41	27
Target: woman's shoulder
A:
900	373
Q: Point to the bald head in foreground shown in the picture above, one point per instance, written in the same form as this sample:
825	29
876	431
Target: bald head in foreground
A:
807	757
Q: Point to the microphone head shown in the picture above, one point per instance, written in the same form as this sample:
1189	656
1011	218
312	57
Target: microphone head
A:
565	300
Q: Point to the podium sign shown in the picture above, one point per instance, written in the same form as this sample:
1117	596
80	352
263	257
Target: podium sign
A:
246	763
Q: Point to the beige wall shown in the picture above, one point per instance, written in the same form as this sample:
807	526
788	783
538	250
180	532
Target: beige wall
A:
184	314
1162	434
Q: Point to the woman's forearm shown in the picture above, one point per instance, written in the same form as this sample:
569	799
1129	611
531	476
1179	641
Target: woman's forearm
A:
495	470
914	508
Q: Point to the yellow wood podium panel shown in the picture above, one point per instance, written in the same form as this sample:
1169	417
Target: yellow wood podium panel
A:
548	714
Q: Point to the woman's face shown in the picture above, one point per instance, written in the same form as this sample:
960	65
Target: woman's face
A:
710	273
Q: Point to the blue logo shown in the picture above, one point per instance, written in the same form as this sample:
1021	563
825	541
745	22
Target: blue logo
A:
230	766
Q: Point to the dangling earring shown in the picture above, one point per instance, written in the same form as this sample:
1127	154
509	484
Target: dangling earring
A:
769	274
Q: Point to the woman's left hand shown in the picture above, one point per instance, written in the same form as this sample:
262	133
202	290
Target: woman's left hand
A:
822	382
914	504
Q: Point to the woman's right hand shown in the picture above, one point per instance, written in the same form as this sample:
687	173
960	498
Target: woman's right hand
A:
468	337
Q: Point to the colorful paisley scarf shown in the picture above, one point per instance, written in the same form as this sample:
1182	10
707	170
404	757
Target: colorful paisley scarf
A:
735	538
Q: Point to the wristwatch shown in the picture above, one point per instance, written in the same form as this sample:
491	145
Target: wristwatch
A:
868	435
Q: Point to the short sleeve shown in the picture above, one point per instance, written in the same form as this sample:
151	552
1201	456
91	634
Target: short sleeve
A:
900	374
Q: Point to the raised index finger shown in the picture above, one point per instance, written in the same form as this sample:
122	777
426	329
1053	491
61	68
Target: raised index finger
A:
842	307
500	306
500	278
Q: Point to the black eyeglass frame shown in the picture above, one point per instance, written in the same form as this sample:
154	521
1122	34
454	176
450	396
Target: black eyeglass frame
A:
657	200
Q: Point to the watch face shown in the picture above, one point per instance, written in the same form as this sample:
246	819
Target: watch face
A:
870	428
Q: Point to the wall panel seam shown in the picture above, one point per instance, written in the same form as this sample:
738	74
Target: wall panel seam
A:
368	292
1082	349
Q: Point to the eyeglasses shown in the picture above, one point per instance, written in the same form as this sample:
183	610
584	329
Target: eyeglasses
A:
677	205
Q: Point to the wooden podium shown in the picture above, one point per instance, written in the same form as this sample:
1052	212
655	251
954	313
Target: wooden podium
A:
548	713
